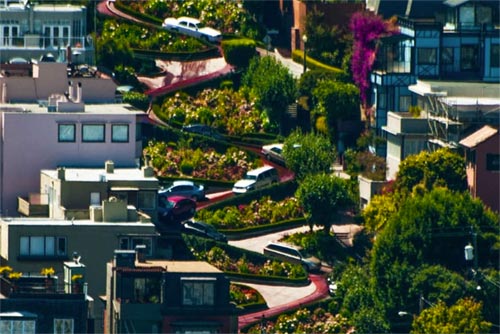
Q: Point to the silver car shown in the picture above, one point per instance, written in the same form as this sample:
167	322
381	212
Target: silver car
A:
185	188
292	254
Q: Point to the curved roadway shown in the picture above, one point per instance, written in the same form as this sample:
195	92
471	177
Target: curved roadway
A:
279	299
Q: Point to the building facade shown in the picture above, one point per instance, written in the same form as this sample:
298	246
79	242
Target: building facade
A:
157	296
30	31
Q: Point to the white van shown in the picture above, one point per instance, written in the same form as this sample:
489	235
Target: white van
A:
256	179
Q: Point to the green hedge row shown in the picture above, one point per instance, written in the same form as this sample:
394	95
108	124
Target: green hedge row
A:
268	280
208	53
119	4
254	231
238	52
298	57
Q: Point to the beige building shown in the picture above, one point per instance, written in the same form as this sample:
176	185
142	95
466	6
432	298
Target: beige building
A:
100	194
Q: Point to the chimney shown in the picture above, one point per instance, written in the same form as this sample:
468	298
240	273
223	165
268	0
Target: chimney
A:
61	173
140	251
109	166
79	93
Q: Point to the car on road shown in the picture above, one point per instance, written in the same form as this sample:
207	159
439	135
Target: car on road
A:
175	209
203	229
192	27
273	153
203	130
292	254
185	188
256	179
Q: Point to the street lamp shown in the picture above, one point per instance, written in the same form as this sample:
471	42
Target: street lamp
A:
304	39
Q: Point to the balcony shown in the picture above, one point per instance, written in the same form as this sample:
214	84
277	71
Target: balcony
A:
36	287
405	123
35	206
37	41
130	310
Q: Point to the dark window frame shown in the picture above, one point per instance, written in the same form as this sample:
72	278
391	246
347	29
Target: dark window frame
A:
59	252
427	56
59	131
447	55
113	139
103	126
495	55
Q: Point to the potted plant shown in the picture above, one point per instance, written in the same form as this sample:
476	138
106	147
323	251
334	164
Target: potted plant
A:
5	271
76	281
47	272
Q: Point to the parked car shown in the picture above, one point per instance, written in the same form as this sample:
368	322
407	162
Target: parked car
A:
175	209
192	27
203	130
185	188
292	254
256	179
203	230
273	152
332	286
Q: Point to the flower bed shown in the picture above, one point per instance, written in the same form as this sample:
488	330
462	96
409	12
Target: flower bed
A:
246	297
263	211
199	163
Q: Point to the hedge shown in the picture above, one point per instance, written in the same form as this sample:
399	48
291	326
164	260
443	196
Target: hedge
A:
238	52
140	16
254	231
298	57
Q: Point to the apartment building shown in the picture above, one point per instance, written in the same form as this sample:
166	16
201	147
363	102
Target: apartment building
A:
29	31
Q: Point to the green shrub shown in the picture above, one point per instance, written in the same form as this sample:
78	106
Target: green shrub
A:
187	168
238	52
136	99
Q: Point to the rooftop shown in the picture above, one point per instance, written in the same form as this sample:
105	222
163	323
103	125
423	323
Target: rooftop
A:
179	266
479	136
96	109
100	175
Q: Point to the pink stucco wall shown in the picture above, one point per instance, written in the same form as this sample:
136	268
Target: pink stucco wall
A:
483	183
30	143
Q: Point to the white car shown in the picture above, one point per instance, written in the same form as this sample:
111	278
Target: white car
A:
273	152
192	27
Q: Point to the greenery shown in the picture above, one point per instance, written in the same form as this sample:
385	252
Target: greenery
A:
308	153
228	111
439	168
273	85
245	296
5	270
263	211
462	317
198	163
47	271
238	52
322	196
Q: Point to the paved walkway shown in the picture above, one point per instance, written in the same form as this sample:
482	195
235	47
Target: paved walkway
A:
288	298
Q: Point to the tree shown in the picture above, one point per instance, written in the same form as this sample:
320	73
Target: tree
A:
322	196
273	85
430	227
463	317
439	168
308	153
339	101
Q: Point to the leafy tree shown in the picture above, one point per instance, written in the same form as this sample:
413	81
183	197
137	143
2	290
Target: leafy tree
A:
273	85
339	101
322	196
439	168
379	211
430	227
463	317
308	153
356	301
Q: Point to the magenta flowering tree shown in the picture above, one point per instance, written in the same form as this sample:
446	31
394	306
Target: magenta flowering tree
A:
367	29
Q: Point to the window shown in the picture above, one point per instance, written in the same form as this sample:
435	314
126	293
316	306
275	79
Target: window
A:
147	200
42	246
447	56
66	133
63	326
198	292
427	56
95	198
119	133
468	58
495	55
129	243
17	326
93	133
493	162
404	102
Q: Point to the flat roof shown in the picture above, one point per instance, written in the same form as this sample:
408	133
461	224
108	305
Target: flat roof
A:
100	175
179	266
20	221
95	109
465	92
